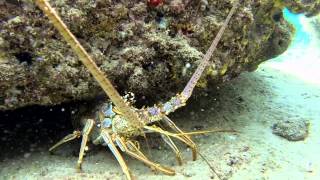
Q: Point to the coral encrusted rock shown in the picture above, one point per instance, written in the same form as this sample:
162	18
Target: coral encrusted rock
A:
150	49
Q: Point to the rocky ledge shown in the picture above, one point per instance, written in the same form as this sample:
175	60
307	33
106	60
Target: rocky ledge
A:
147	47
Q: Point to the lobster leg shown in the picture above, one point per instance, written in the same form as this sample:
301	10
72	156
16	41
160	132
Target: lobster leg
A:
171	144
107	138
132	150
85	134
69	137
187	138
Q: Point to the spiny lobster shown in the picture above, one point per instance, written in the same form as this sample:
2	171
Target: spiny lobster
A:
116	126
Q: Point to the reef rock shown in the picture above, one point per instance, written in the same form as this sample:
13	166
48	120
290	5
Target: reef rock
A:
150	49
291	129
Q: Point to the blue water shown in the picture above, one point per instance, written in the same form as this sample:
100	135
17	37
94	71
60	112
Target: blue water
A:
302	58
300	35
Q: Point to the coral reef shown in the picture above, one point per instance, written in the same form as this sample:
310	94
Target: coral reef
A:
148	47
311	7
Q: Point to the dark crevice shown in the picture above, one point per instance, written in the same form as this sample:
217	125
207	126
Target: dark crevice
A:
35	127
280	43
24	57
277	16
2	100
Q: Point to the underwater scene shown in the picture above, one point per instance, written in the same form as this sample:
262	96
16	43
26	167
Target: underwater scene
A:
159	89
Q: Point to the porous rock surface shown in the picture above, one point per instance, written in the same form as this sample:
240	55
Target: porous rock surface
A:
291	129
146	48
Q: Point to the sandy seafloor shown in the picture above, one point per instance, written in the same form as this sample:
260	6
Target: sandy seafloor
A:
284	89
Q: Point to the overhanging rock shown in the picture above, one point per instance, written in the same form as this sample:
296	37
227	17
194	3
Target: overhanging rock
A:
147	49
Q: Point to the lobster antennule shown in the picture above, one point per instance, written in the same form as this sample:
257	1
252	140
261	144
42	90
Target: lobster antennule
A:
176	135
206	132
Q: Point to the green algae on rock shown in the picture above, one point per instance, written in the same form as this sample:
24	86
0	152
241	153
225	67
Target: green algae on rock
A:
149	50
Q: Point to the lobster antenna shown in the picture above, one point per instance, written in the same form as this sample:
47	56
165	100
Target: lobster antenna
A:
187	91
83	55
